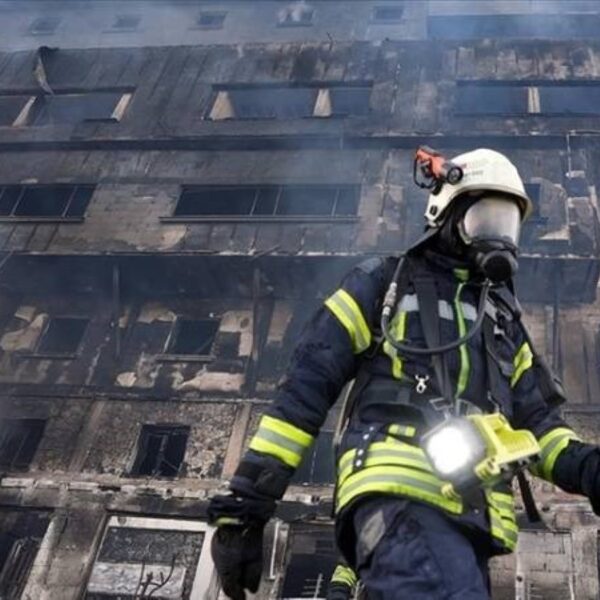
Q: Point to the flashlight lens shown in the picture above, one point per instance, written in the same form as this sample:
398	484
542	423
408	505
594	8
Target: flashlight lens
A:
449	450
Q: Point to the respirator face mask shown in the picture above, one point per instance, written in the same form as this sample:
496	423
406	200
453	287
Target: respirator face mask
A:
490	230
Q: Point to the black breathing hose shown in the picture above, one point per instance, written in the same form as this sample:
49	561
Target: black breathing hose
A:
390	302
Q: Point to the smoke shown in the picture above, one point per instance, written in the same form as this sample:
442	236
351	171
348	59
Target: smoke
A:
296	13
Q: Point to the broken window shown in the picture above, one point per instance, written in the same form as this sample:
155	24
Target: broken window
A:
161	449
387	14
69	109
192	336
484	99
142	557
269	201
297	15
126	23
10	108
211	20
565	26
273	102
63	336
44	25
312	559
19	439
318	464
569	100
21	533
45	201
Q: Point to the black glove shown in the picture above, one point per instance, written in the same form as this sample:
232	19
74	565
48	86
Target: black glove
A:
237	544
339	591
238	557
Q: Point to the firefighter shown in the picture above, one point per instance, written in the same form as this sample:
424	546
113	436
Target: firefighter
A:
432	340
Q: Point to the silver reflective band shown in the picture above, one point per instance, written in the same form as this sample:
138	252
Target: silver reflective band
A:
492	217
410	303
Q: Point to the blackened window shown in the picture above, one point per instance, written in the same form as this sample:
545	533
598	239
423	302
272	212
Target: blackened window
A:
565	26
388	14
161	449
317	465
349	100
272	102
296	16
193	336
570	100
269	201
211	20
63	109
45	201
63	336
19	439
10	108
44	25
483	99
126	23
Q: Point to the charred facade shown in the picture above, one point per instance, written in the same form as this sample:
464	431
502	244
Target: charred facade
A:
169	218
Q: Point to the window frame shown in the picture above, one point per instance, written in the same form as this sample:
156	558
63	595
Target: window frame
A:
287	23
37	353
39	422
142	442
221	107
12	218
534	106
131	29
205	584
31	30
167	356
381	21
210	27
274	218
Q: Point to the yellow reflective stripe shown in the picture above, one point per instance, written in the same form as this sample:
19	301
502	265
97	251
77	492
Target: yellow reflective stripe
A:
403	430
552	444
396	480
523	360
348	313
463	377
345	575
503	520
386	447
227	521
376	458
500	529
281	439
398	332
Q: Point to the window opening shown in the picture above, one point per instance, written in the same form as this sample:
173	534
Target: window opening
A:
211	20
63	336
192	336
63	109
67	201
19	440
388	14
481	99
299	15
44	25
142	557
126	22
349	101
569	100
161	449
269	201
317	465
10	109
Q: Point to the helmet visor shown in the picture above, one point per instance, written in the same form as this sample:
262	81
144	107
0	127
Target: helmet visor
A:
492	218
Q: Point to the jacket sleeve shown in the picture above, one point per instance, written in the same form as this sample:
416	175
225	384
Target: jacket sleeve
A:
530	411
324	360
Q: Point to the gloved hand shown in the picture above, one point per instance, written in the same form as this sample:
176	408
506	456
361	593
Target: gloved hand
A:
237	544
238	557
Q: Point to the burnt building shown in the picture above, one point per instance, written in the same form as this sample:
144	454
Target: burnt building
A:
181	185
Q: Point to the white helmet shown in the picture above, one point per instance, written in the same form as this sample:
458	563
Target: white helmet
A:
484	170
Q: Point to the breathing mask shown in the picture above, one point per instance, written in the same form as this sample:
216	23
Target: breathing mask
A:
490	230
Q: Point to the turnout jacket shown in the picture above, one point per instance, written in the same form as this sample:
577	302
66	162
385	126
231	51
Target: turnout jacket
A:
379	452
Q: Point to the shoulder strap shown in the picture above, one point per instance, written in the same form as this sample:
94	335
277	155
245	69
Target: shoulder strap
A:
427	297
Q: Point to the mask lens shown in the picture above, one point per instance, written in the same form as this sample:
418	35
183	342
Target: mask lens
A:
493	218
